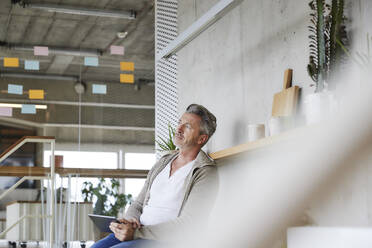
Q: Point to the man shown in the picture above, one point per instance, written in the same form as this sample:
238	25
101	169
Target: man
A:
179	190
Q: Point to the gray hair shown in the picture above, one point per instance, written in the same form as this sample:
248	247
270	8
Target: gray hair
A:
208	121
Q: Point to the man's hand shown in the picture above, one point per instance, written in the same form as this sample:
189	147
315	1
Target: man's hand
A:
123	232
134	222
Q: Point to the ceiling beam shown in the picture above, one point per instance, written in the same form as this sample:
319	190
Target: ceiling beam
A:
73	125
74	10
38	76
73	78
142	61
55	50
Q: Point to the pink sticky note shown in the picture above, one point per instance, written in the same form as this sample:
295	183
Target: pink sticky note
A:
117	50
5	111
41	50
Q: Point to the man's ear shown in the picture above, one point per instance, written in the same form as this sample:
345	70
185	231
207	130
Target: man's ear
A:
202	139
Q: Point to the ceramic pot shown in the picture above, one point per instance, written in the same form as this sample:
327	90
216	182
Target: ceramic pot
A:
256	132
319	105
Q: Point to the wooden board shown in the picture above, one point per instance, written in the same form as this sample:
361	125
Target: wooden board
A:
285	102
287	82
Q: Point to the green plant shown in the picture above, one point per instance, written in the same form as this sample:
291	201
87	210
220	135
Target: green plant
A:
102	194
167	145
327	30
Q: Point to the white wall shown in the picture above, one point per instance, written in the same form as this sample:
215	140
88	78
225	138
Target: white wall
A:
236	66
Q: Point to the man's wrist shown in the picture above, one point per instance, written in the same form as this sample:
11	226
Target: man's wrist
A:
129	232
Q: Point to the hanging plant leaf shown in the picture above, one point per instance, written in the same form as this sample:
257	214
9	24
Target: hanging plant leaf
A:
327	26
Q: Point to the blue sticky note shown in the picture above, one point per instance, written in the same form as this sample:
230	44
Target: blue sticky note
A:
99	89
91	61
32	65
15	89
28	109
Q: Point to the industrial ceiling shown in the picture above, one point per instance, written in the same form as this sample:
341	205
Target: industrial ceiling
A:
73	30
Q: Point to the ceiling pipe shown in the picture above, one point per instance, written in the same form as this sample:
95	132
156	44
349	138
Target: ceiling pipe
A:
125	14
137	84
85	104
38	76
55	50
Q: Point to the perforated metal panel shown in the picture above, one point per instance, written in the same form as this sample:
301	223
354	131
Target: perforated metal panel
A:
166	90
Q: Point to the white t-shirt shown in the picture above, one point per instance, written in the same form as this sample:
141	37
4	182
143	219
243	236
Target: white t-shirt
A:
166	195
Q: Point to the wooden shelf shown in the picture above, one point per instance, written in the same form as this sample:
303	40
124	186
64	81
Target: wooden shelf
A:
107	173
20	171
250	146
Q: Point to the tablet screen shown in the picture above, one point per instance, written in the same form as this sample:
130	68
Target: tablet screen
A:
102	222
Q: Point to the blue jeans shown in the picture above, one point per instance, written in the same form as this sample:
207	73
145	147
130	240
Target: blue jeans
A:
111	241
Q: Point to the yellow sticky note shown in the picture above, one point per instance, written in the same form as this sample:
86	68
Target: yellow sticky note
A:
11	62
36	94
127	78
127	66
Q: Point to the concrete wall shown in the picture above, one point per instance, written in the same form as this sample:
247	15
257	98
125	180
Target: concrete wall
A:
236	66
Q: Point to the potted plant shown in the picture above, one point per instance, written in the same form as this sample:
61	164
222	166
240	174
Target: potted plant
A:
106	197
167	145
327	32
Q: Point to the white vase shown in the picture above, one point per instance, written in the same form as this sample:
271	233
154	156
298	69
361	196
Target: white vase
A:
319	105
256	132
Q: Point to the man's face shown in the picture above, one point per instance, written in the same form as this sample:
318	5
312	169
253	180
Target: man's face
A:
188	131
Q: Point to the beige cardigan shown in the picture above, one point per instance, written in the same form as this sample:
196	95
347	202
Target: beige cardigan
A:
200	192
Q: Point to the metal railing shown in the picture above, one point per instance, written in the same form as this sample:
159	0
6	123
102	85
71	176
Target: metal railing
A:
51	216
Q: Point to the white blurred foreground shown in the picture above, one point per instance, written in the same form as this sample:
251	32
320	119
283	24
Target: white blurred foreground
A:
264	192
310	237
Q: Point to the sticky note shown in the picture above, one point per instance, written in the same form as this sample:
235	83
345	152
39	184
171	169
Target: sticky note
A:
127	66
32	65
28	109
36	94
91	61
99	89
15	89
11	62
41	50
119	50
127	78
6	111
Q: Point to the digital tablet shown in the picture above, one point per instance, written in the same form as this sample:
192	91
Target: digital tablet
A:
102	222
